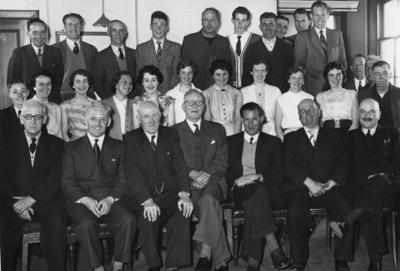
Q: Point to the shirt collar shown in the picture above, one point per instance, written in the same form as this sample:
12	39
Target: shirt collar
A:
372	130
92	138
156	44
36	49
16	110
118	102
315	131
271	41
363	81
243	36
71	44
150	135
323	31
255	137
191	124
116	49
29	138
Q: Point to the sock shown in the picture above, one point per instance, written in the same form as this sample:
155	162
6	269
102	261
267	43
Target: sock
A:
271	242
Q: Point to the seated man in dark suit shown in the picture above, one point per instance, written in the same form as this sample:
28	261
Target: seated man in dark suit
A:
9	117
374	155
29	188
254	173
316	167
206	154
93	182
158	179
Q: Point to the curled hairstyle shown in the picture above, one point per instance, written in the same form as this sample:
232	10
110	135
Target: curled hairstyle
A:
181	65
152	70
38	74
116	78
82	72
335	66
220	64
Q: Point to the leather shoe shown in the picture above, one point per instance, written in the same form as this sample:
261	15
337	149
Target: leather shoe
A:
339	228
375	266
279	260
341	266
222	268
203	264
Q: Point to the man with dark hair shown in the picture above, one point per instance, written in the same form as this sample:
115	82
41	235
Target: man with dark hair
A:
302	21
369	62
277	53
202	47
115	58
282	26
239	42
29	59
318	46
160	52
76	53
357	80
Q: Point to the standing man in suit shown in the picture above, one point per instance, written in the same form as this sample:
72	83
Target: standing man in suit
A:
302	22
206	154
158	180
160	52
254	173
239	41
36	56
205	46
277	53
76	54
115	58
315	164
30	188
93	184
357	80
317	47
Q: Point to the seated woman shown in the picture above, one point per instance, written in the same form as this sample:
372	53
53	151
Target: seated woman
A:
338	105
263	94
73	111
122	115
186	72
42	84
223	102
150	78
286	112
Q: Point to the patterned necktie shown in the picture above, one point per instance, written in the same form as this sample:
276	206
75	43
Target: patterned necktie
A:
311	137
251	140
323	41
121	54
153	143
76	48
196	130
96	150
238	46
40	56
32	146
159	51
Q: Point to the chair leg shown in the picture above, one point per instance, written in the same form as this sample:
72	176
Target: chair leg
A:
235	242
394	237
25	256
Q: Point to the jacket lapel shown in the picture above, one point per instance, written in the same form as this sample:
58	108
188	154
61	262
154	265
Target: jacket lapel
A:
147	150
33	57
112	60
316	42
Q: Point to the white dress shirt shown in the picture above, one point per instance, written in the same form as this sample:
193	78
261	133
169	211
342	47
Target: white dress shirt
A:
270	44
371	131
71	44
116	50
29	140
247	137
191	124
156	44
121	107
92	140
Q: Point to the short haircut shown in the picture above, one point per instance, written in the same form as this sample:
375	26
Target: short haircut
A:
241	10
116	21
369	100
259	61
280	16
148	104
380	63
295	69
216	11
268	15
252	106
302	11
34	21
373	57
82	72
192	91
332	66
34	103
159	15
15	82
38	74
308	100
320	4
181	65
116	78
358	55
98	105
73	15
150	69
220	64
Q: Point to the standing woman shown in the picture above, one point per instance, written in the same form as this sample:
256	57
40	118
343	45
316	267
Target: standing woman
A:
286	112
150	78
122	115
73	111
223	102
42	85
263	94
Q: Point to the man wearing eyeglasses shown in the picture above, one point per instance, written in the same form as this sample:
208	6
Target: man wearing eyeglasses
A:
206	154
30	175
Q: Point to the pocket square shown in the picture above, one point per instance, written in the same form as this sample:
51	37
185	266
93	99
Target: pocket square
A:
167	153
212	141
386	141
113	160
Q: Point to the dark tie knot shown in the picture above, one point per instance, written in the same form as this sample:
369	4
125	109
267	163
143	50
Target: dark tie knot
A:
251	140
39	52
239	37
121	54
76	48
32	146
196	129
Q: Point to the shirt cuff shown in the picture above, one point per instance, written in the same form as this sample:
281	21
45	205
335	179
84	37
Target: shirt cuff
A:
183	194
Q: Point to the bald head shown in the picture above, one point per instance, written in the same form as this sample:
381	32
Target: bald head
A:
369	113
309	113
149	116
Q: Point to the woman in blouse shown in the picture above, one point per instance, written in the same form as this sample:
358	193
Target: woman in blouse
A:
122	115
186	72
223	102
263	94
42	84
286	113
150	78
73	111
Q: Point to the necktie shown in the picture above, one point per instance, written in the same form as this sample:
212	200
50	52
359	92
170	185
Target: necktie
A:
76	48
196	130
359	87
368	138
96	150
323	41
32	146
121	54
238	46
153	143
311	137
251	140
40	56
159	51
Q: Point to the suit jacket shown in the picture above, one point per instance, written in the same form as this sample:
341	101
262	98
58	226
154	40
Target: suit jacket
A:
114	130
280	59
145	168
311	56
146	54
105	67
195	49
325	161
89	52
9	122
213	155
292	39
350	84
19	178
82	176
24	63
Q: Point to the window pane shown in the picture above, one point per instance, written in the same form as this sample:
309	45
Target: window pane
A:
391	19
387	53
396	69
